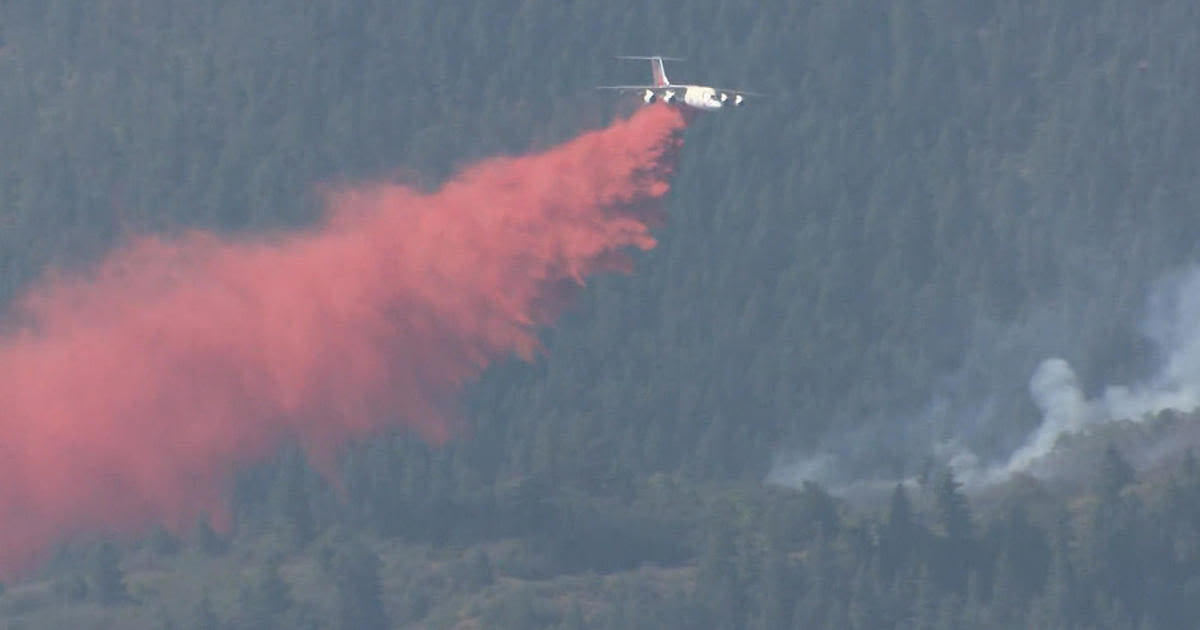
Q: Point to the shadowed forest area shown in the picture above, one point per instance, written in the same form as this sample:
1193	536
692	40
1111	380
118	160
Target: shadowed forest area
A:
935	196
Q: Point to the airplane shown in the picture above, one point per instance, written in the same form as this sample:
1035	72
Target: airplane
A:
700	97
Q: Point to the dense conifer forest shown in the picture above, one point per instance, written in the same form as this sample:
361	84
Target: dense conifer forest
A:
936	196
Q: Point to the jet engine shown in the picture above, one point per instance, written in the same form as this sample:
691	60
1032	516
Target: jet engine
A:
669	96
724	97
737	100
648	96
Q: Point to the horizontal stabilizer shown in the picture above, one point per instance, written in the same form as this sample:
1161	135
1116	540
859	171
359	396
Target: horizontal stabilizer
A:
653	57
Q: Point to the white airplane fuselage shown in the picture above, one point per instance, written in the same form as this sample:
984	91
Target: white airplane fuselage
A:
702	97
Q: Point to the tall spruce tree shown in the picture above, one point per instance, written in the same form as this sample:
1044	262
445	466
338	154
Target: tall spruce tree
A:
106	579
358	588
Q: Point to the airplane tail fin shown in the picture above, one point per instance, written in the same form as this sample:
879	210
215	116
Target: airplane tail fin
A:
656	68
660	73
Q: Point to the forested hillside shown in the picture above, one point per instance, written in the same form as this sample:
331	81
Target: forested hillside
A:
935	196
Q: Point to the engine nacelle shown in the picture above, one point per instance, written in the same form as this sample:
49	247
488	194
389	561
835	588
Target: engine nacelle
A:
737	100
669	96
648	96
723	96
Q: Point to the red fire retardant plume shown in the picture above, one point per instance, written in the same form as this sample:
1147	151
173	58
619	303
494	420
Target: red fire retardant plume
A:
128	394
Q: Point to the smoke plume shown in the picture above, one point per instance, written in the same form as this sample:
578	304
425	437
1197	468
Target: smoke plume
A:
127	394
1172	325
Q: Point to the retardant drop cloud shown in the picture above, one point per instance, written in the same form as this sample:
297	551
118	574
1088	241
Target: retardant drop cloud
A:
129	393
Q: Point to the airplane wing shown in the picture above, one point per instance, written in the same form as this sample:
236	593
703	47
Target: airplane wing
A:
742	92
634	87
677	88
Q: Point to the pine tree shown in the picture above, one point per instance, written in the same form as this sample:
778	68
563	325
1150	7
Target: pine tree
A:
866	608
897	541
1115	474
717	585
925	606
1007	590
820	511
1188	466
358	588
1061	604
162	541
955	547
106	579
266	599
205	540
515	612
820	599
203	617
291	498
573	619
477	570
778	586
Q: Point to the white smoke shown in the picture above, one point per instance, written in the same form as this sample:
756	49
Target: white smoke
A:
1173	326
1055	390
